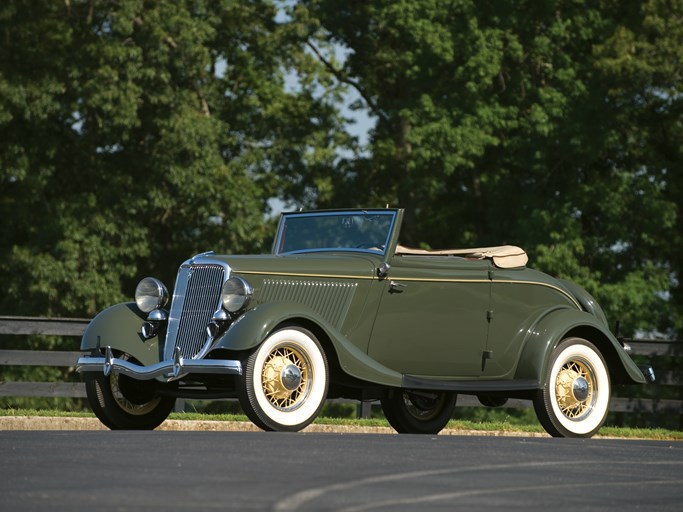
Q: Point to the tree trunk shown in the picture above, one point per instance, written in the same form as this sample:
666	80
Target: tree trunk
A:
406	190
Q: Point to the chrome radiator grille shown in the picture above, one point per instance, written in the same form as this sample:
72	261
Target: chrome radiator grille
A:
196	297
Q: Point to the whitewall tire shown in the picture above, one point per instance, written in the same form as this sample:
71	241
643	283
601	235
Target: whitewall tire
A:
285	380
575	399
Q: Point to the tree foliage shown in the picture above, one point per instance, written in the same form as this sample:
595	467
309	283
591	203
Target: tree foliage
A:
135	133
555	125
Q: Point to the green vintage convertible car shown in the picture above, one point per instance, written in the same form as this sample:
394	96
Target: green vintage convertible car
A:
341	309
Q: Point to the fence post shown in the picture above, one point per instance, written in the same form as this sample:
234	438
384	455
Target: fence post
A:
364	410
179	405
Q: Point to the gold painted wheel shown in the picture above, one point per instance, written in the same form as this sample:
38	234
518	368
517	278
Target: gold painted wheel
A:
127	405
285	377
574	400
575	388
121	402
127	397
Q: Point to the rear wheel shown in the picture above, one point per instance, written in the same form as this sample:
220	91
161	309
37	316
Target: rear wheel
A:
492	401
418	412
575	398
285	380
123	403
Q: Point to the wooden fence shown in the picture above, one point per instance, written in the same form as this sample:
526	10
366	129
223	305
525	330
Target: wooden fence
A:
665	397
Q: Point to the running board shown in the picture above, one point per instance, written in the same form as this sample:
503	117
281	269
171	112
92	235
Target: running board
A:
469	387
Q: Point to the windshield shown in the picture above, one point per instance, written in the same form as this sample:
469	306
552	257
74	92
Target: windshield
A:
367	231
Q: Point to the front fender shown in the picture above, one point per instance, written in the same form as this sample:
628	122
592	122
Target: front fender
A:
559	324
256	324
119	327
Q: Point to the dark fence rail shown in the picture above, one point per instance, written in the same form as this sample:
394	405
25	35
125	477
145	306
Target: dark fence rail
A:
668	376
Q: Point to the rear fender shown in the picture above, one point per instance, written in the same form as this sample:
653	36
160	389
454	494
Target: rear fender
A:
256	324
559	324
120	328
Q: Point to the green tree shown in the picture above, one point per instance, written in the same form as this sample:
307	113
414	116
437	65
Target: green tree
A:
135	134
554	125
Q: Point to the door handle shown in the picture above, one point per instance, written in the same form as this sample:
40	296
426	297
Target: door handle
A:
395	287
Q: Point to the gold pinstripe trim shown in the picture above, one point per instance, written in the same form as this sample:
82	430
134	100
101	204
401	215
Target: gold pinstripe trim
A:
556	288
441	280
413	279
538	283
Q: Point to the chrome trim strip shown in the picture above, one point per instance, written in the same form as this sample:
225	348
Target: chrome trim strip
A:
171	368
299	274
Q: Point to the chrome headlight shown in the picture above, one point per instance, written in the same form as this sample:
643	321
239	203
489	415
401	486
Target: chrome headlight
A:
236	294
150	294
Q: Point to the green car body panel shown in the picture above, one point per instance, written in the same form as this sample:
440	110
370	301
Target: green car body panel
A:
264	319
560	324
431	320
386	316
119	327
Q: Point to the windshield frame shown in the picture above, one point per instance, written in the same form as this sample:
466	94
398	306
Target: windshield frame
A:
280	235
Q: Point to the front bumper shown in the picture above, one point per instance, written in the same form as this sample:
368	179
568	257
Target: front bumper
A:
169	369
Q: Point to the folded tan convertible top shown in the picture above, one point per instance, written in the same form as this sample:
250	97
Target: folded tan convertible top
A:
503	256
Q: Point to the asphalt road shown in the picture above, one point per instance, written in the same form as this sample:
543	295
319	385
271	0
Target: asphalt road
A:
169	471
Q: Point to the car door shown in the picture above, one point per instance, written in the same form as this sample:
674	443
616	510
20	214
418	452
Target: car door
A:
519	298
432	316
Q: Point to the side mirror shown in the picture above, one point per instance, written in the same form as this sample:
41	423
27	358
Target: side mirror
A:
383	270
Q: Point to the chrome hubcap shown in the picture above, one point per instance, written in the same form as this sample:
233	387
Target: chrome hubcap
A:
575	389
580	389
286	378
424	408
290	377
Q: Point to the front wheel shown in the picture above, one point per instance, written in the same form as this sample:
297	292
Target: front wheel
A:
418	412
575	398
123	403
285	379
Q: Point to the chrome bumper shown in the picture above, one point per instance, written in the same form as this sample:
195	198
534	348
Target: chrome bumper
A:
648	372
169	369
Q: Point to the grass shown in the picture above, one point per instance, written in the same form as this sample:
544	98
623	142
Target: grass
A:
48	413
464	425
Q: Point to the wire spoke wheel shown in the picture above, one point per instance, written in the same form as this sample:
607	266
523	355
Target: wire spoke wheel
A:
285	377
575	398
424	408
418	412
121	402
129	394
575	389
285	380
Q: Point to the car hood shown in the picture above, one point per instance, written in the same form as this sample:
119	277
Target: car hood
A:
311	264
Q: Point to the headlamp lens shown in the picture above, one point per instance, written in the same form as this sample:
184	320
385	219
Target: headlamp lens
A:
236	294
150	294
